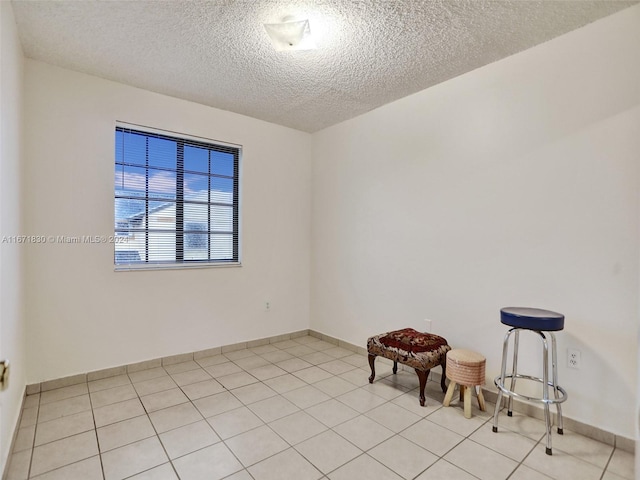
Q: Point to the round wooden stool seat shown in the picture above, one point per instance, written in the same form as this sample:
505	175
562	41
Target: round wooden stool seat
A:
467	369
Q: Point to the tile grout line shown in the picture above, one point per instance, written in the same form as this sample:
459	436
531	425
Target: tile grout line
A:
35	432
139	398
95	431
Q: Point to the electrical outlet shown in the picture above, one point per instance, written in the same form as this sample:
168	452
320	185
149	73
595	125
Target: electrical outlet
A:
267	306
427	325
574	358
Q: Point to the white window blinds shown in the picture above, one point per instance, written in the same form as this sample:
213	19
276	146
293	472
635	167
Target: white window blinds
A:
176	199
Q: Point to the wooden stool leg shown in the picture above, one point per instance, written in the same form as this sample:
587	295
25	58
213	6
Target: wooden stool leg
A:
449	395
467	401
480	398
395	367
444	375
372	359
422	377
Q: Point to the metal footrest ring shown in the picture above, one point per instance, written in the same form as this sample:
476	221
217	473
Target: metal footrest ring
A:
549	401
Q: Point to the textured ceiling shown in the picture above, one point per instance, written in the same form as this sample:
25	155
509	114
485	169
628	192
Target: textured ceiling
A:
217	52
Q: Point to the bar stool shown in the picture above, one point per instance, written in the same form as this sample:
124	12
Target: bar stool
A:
540	322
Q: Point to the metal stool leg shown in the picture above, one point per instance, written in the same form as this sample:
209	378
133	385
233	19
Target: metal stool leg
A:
514	371
545	390
505	352
556	393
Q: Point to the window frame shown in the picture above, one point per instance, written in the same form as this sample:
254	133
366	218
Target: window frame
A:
181	263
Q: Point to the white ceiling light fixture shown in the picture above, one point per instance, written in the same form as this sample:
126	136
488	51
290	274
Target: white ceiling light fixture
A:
290	34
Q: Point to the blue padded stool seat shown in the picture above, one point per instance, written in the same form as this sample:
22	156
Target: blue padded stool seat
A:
532	319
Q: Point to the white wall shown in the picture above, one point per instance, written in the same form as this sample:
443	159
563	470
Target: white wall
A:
12	324
515	184
82	315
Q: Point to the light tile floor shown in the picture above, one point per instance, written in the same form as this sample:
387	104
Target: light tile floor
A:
299	409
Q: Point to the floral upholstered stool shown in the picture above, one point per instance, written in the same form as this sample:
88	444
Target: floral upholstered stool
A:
465	368
421	351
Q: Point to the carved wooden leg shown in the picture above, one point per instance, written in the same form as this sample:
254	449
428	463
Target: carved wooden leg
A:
449	395
395	367
444	375
422	376
372	359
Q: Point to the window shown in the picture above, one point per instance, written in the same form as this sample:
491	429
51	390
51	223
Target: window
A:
176	200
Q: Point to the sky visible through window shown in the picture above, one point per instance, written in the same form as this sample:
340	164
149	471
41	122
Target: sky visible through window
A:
130	172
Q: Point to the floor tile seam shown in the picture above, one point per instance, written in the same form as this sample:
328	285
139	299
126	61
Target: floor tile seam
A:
229	411
63	399
157	435
289	446
431	451
467	471
89	382
521	463
68	464
133	382
422	417
235	373
188	371
147	413
380	463
61	466
65	436
543	437
518	462
360	448
539	442
326	475
295	413
235	434
442	459
112	388
149	469
171	460
420	473
35	432
102	452
606	466
458	433
278	453
604	469
164	367
224	442
244	403
95	427
360	388
165	374
395	433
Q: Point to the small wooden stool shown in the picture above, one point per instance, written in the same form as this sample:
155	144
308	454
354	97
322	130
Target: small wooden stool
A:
465	368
